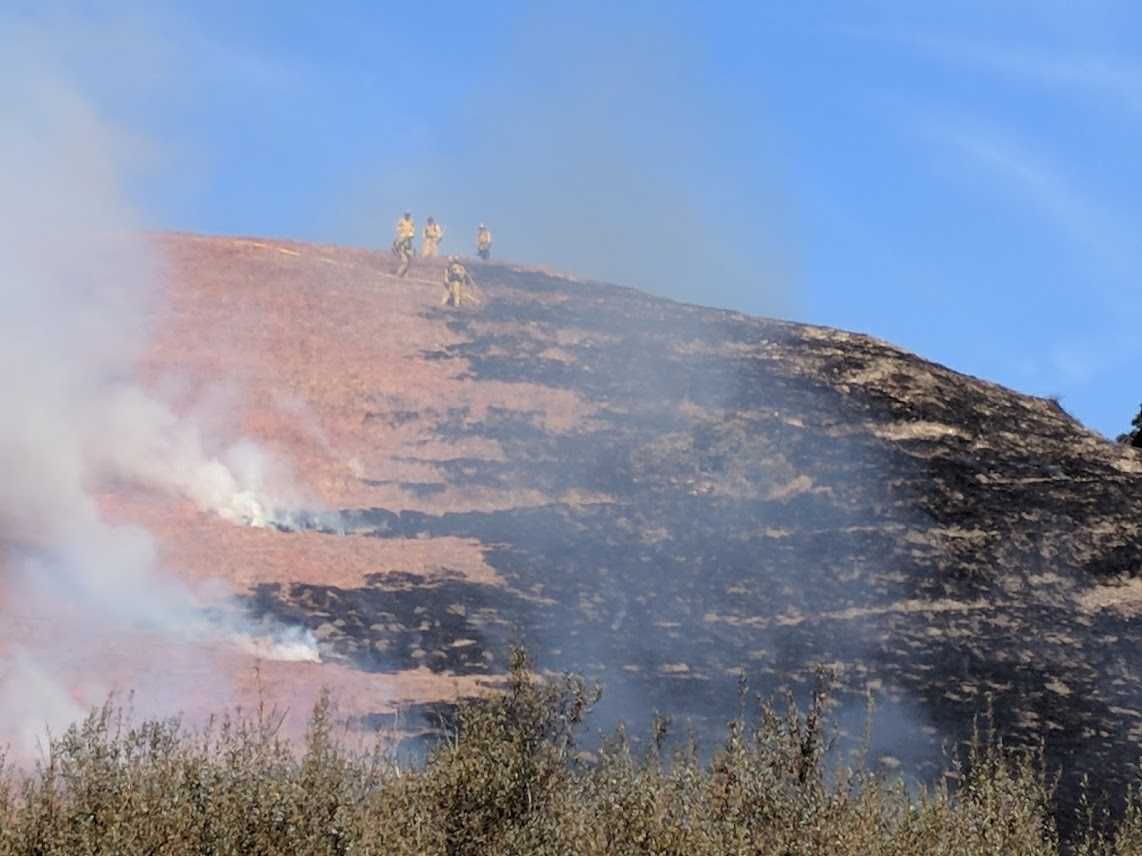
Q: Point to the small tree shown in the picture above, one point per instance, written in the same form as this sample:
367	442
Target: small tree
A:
1134	438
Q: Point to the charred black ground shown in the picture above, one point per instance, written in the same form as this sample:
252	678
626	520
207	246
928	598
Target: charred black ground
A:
776	496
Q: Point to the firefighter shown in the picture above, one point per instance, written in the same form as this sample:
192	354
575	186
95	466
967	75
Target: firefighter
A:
430	239
456	276
483	242
402	245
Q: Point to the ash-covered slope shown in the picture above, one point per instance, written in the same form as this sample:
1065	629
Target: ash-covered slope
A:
666	496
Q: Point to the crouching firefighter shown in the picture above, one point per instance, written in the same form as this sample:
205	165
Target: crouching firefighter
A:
456	277
402	244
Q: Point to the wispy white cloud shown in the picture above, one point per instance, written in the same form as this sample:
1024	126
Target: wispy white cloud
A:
1112	77
1103	233
1034	181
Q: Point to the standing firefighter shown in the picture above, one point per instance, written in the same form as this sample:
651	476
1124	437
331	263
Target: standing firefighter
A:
456	276
483	242
430	241
402	244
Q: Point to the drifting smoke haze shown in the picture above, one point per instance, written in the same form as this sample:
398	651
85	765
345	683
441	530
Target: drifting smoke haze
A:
77	288
600	153
604	153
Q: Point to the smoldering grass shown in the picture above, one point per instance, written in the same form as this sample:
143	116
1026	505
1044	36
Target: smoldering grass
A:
303	520
81	299
280	643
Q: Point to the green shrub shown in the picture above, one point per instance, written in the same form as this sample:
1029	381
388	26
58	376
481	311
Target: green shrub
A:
1133	437
510	780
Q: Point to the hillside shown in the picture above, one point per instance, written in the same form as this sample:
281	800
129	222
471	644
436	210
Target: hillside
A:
659	495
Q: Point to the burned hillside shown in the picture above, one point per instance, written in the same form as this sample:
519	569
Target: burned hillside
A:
661	496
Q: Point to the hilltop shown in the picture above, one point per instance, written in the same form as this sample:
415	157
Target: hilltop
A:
659	495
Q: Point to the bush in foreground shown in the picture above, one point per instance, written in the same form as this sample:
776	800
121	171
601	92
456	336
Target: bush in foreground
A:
510	781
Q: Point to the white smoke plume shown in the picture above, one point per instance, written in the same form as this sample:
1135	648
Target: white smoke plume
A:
77	285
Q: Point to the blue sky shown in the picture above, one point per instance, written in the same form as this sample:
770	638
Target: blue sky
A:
959	178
